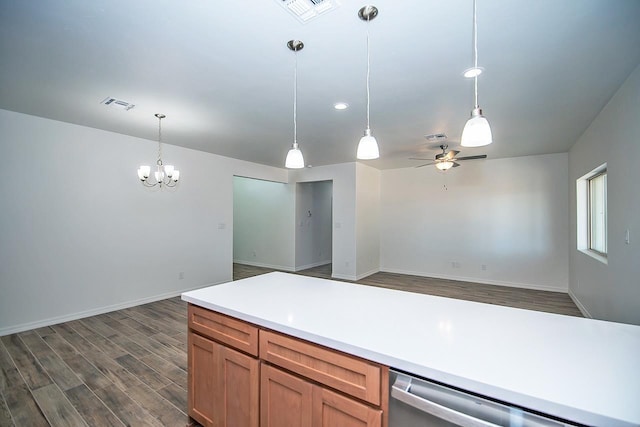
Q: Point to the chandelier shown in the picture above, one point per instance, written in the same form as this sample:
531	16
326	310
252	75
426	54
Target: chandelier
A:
164	175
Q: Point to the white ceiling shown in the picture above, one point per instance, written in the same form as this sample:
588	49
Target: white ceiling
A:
221	72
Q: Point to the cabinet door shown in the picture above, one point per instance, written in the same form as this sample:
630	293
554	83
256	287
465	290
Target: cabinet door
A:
239	398
285	400
331	409
223	385
203	355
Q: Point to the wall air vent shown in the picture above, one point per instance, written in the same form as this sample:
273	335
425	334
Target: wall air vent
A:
306	10
118	103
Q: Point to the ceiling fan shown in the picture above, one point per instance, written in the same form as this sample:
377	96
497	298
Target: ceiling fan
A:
447	160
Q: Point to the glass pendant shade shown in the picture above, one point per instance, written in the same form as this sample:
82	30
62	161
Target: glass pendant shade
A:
476	132
294	158
368	147
443	166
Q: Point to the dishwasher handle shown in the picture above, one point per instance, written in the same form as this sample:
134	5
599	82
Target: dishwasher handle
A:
400	391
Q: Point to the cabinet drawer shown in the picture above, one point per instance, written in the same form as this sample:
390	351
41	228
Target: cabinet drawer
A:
353	376
224	329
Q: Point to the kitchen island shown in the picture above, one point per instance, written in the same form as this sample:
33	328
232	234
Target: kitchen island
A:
581	370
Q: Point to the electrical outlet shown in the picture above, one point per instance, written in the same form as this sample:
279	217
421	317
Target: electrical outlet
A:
483	267
181	275
253	254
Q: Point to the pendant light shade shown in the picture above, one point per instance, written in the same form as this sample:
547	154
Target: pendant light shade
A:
476	132
294	159
368	146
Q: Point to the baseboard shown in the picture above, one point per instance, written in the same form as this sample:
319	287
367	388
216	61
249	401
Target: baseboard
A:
578	304
264	265
94	311
367	274
315	264
479	280
343	277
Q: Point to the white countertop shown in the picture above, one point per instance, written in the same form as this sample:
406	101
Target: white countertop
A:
582	370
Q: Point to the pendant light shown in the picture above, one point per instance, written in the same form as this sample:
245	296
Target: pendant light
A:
477	131
165	175
294	158
368	146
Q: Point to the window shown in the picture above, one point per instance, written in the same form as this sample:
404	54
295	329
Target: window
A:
591	198
598	213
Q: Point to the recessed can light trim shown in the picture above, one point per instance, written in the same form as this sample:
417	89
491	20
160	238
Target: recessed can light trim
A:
340	105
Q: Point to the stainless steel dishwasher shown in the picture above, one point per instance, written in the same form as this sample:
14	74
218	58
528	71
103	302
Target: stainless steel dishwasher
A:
415	402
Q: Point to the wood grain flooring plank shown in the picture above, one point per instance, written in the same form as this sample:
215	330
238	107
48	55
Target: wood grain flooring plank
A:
134	324
158	406
86	340
91	408
154	346
29	368
119	376
44	331
121	339
5	415
176	395
127	410
167	369
16	394
59	372
180	346
142	372
56	407
88	374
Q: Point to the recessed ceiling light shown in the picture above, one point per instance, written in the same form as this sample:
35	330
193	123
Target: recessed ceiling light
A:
340	105
472	72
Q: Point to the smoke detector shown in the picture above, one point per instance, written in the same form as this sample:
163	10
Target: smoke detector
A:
117	103
306	10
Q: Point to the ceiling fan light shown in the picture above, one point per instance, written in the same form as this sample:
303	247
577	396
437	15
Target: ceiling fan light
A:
368	147
294	158
476	132
443	166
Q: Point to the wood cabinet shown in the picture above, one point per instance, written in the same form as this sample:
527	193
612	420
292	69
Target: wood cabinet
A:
242	375
291	401
223	383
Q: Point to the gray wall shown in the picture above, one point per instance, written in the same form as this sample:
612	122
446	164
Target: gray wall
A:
313	233
611	291
80	235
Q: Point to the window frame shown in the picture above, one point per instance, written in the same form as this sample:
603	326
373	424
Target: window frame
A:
583	215
590	202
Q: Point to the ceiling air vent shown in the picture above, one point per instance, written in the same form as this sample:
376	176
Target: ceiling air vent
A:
118	103
435	137
306	10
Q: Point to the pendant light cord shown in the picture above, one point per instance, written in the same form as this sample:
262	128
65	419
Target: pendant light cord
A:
159	162
295	99
475	52
368	73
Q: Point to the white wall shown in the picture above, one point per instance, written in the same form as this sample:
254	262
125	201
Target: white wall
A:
367	220
611	291
344	213
510	215
313	232
263	229
80	235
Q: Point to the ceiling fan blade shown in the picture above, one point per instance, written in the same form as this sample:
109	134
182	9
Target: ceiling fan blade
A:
418	158
426	164
481	156
455	165
450	155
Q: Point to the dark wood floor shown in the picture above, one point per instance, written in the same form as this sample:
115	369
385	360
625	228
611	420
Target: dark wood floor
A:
128	367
